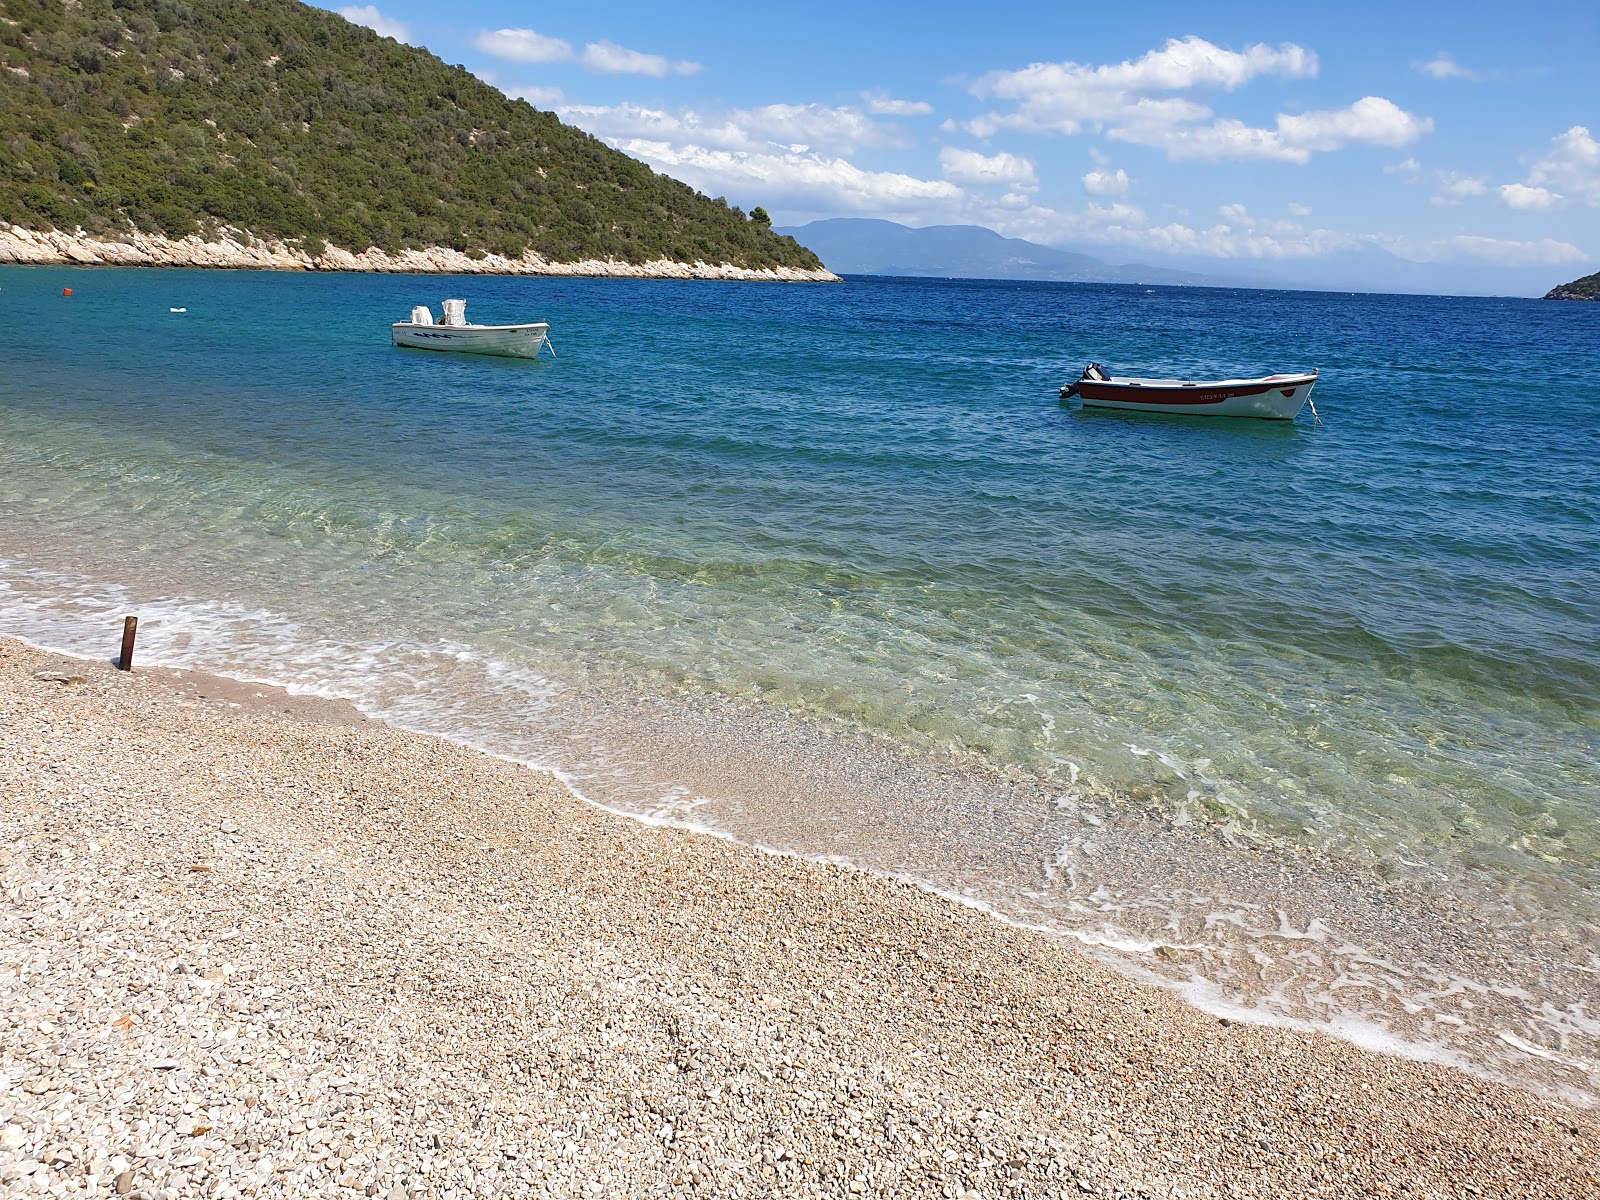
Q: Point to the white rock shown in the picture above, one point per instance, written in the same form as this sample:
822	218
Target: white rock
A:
23	246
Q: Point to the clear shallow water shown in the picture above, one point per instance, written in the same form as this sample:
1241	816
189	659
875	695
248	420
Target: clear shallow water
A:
737	531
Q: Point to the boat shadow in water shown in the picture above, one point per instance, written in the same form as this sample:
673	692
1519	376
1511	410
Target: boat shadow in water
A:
468	366
1290	430
1226	442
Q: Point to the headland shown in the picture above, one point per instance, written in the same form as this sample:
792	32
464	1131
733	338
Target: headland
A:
236	250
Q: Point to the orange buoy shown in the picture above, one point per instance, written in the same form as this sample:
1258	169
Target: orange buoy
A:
66	291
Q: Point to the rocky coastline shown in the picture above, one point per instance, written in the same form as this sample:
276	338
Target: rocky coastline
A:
1587	288
233	249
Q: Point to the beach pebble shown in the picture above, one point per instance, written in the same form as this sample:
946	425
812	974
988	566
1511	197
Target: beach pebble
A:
356	1002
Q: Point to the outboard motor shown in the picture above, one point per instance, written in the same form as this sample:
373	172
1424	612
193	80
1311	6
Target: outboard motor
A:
1094	371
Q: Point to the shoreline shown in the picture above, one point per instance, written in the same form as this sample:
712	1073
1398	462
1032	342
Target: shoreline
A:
237	250
1230	921
278	946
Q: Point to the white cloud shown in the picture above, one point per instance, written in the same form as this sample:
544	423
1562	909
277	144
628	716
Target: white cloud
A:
1455	188
1237	235
881	104
539	97
842	129
1116	214
1106	183
522	45
1372	120
1139	102
1442	66
1299	210
1241	235
1573	165
795	180
528	46
1544	252
621	121
968	166
1450	188
1520	195
1064	97
782	156
835	130
1233	240
619	60
1569	172
368	15
1408	169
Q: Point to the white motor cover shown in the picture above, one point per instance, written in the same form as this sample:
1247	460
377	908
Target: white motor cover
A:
421	315
455	312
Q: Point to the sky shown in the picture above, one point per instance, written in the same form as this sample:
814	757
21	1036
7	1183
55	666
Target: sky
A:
1282	138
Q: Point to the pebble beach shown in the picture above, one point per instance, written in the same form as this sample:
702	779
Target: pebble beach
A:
256	945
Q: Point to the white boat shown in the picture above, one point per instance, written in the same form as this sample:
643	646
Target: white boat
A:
1271	397
453	333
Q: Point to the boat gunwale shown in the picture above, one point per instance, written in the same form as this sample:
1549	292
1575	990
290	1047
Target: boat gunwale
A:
1294	379
494	328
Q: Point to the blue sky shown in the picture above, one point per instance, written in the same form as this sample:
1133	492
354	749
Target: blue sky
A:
1273	136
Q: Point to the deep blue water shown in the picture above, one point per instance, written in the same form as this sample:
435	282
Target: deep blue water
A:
1377	636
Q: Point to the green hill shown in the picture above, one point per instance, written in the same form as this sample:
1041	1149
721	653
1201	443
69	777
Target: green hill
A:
290	123
1587	288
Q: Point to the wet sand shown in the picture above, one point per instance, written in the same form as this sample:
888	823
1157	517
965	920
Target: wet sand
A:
1469	970
256	945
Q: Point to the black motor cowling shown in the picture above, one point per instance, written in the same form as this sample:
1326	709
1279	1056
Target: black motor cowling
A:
1093	371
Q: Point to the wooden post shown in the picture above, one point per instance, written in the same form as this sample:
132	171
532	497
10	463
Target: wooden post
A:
130	626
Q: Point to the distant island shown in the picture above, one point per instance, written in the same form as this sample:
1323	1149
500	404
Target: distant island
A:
266	133
856	246
1587	288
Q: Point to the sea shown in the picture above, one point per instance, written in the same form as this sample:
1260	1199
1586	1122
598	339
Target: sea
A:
1299	719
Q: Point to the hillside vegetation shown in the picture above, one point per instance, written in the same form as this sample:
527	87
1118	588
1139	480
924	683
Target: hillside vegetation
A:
1587	288
288	122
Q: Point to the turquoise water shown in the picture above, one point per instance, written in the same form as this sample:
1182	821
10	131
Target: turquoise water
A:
859	511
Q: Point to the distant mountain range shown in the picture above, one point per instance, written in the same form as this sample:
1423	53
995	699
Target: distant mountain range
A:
854	246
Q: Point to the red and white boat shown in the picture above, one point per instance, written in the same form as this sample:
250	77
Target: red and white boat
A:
1272	397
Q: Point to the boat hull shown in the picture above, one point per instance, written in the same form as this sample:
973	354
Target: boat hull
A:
1273	398
505	341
